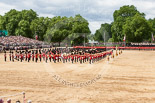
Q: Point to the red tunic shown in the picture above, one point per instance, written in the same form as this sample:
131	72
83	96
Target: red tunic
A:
90	57
28	56
54	56
72	57
32	55
36	56
39	55
50	56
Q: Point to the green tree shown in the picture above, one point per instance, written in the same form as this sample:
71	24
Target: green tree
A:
29	15
68	30
120	17
152	22
80	30
58	29
24	29
39	27
2	23
11	20
104	31
137	29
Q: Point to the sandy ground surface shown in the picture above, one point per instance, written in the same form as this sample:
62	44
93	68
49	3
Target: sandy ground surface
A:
128	78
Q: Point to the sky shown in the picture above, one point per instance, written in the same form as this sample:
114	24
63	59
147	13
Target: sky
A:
96	12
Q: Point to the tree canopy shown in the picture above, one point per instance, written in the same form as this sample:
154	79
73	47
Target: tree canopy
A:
128	22
104	33
131	23
27	23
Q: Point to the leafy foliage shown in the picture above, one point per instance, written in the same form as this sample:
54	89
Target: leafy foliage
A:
104	33
129	22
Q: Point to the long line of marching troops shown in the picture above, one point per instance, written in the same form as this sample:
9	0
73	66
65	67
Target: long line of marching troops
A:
59	55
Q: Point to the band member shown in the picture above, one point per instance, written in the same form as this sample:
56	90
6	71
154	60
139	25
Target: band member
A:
36	57
40	57
108	57
90	59
69	57
80	59
64	57
85	58
119	52
112	56
72	58
25	56
46	57
75	58
12	57
18	56
32	56
57	57
43	56
54	58
50	57
21	56
116	53
28	56
5	56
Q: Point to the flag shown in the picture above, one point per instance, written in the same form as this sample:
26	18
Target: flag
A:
152	37
124	38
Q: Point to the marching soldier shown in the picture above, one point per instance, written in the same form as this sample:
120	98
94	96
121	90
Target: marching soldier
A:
50	57
5	56
40	56
36	57
12	57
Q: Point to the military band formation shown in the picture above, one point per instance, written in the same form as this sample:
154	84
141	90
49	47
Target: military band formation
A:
55	55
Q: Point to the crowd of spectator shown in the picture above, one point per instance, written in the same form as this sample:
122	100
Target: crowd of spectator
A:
20	43
18	40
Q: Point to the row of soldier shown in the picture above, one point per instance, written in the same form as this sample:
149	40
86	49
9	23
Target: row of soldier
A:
57	55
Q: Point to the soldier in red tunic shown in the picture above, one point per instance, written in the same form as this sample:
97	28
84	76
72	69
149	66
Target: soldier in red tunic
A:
81	59
50	57
40	56
26	56
46	58
72	58
5	56
43	56
54	58
90	59
33	56
36	57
